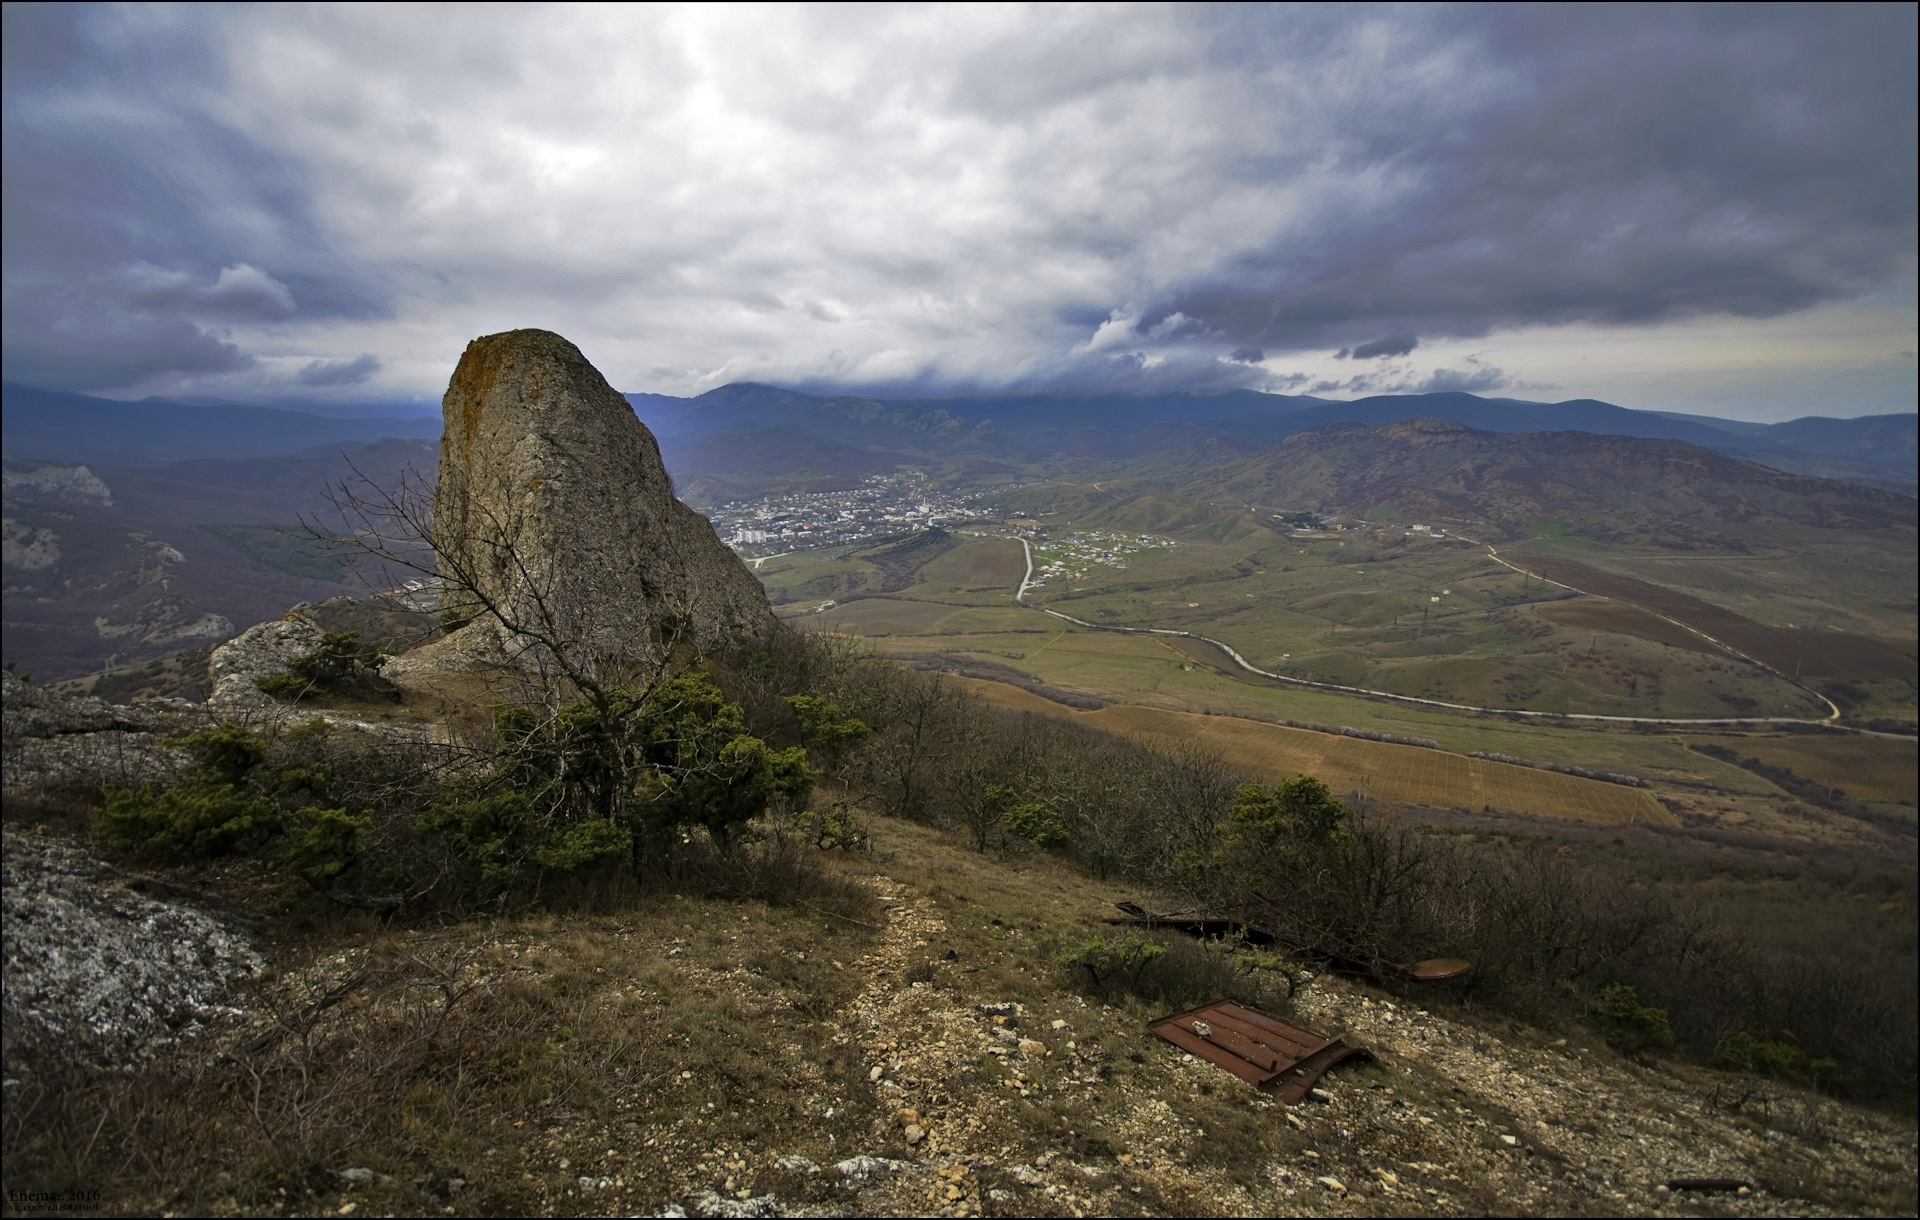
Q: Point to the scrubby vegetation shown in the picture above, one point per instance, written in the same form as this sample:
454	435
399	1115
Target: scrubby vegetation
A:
1177	971
432	1000
706	781
1553	937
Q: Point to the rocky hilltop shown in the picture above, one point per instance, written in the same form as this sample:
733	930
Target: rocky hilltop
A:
554	506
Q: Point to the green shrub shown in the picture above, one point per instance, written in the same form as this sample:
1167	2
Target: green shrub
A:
831	828
186	822
650	762
825	729
321	844
1743	1051
1107	960
583	843
337	666
1629	1026
495	833
1298	812
1034	822
227	754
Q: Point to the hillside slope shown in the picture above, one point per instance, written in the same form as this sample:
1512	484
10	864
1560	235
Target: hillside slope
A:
1614	487
734	1059
145	561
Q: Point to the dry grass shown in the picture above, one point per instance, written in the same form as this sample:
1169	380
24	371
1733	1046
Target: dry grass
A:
1395	773
684	1045
517	1057
1865	768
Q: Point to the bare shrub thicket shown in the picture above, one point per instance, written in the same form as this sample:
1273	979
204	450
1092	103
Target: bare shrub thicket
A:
1550	936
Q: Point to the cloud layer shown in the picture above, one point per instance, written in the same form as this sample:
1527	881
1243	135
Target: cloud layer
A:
286	201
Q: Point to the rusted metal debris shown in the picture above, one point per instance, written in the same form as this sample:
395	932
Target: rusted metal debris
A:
1323	944
1272	1055
1192	924
1708	1184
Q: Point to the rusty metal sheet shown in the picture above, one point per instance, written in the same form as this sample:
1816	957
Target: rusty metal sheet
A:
1437	969
1269	1053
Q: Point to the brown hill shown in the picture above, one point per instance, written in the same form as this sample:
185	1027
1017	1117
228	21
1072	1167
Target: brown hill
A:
1661	491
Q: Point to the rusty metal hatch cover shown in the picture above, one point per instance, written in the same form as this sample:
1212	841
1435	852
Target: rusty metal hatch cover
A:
1268	1053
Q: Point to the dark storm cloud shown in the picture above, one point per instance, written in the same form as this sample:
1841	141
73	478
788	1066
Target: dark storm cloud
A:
1390	345
140	217
1655	163
256	199
339	372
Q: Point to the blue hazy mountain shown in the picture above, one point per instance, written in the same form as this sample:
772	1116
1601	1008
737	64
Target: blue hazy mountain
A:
47	425
745	428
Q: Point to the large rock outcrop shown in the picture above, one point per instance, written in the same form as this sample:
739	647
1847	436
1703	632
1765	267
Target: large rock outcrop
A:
554	503
261	651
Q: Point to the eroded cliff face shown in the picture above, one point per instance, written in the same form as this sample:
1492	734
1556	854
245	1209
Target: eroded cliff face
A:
554	503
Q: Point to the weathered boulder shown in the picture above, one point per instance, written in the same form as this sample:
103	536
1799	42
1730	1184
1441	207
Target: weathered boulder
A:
260	651
98	970
29	710
554	505
57	747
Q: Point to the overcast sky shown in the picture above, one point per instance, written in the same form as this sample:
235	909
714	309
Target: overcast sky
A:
1705	209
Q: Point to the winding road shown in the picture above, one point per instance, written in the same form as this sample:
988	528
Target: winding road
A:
1020	597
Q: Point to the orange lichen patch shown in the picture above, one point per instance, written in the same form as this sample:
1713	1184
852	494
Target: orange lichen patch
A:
481	366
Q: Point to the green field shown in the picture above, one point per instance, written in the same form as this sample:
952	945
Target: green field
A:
1368	607
1866	768
1154	672
969	571
1396	773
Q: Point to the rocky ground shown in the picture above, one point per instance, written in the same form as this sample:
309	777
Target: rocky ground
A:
1450	1119
113	966
916	1052
738	1060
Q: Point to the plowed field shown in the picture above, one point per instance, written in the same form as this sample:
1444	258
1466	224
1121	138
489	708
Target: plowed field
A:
1792	651
1623	618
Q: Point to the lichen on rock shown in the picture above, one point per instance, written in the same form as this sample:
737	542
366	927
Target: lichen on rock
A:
100	970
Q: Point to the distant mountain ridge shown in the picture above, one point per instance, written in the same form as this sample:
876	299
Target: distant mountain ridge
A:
746	430
49	425
725	430
1663	492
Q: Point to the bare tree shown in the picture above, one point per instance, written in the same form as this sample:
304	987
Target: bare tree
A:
489	571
